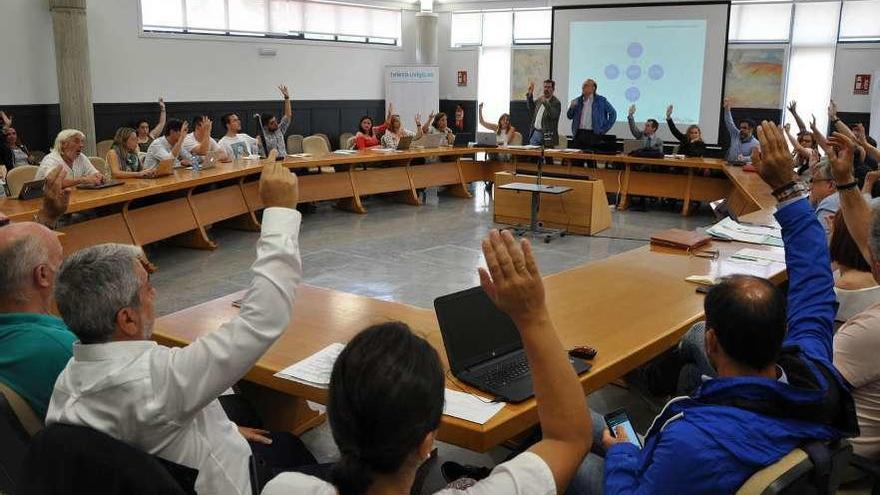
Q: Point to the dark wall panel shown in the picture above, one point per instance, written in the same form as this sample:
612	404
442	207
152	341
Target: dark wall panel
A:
36	125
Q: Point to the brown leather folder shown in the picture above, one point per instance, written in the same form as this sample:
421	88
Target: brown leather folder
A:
681	239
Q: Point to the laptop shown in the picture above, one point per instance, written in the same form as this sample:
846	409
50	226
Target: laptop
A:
405	143
487	139
630	145
209	161
102	185
32	189
430	140
484	347
165	167
606	145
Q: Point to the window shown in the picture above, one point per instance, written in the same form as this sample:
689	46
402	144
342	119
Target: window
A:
302	19
467	29
754	22
860	20
532	26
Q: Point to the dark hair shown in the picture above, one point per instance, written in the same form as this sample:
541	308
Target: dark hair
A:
172	125
844	250
437	119
141	121
750	122
748	316
386	394
225	119
361	124
198	119
266	117
654	124
551	81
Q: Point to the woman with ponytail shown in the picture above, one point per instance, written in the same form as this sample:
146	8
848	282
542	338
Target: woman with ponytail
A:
386	398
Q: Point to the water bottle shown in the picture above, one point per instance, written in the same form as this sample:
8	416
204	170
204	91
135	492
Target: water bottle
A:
195	163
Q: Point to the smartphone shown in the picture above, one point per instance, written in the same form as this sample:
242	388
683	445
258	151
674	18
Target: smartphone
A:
619	419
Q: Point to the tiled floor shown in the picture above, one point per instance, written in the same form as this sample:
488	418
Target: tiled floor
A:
406	254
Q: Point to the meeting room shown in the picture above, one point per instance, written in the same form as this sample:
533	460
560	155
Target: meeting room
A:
488	247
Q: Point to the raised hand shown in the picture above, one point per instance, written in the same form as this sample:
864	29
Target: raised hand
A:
792	106
7	120
632	110
858	131
832	110
284	92
669	112
481	106
727	103
161	103
840	155
813	123
184	128
773	161
278	186
512	280
531	89
56	198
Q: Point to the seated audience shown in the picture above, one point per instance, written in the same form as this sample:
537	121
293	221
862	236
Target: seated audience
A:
742	139
199	142
503	130
651	142
273	130
35	345
438	124
20	154
395	131
773	386
169	146
387	388
164	400
688	145
857	342
368	135
145	135
823	194
67	153
236	144
123	158
855	286
7	158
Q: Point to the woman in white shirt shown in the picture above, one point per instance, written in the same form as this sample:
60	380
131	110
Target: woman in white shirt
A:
395	131
387	392
855	286
439	124
503	132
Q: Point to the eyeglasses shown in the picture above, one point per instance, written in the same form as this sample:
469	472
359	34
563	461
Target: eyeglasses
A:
813	179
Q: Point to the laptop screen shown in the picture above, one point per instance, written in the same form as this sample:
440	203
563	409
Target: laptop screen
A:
473	329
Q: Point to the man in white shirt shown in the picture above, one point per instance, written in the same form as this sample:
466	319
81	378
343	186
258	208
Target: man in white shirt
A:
67	153
160	399
170	145
199	141
236	144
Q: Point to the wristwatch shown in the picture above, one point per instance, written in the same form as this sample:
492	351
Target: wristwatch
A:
791	190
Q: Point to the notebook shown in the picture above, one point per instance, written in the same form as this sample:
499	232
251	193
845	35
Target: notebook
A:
681	239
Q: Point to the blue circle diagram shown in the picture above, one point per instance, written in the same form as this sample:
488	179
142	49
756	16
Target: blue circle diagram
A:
655	72
632	94
635	49
633	72
612	71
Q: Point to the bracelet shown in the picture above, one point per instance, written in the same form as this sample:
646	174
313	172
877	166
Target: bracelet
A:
852	185
791	190
782	188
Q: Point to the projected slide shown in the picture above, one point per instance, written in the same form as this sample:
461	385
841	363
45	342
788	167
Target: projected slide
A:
648	63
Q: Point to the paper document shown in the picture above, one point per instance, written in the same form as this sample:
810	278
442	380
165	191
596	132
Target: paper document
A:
570	150
301	155
523	146
314	370
776	255
754	234
345	152
469	408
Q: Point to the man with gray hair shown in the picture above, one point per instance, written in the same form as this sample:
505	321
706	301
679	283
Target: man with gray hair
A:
67	153
164	400
823	194
857	342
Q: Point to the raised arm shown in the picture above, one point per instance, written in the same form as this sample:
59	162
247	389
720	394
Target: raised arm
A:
862	139
854	207
732	129
672	128
157	131
818	137
184	130
800	150
428	122
201	371
487	125
514	284
812	303
844	129
792	107
630	118
288	110
5	120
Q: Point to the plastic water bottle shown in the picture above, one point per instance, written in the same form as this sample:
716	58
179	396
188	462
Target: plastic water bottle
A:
195	163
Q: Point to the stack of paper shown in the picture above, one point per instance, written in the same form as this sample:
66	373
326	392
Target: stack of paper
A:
300	155
774	255
523	146
314	370
470	408
345	152
729	229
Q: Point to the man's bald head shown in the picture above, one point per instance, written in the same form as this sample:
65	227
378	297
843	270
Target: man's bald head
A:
748	317
30	255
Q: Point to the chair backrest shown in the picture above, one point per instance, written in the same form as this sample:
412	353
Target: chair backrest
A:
794	473
66	459
103	147
18	176
294	144
26	416
350	143
15	441
101	164
517	139
344	140
325	138
316	145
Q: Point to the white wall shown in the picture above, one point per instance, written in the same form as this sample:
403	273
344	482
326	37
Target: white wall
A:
28	75
452	60
852	59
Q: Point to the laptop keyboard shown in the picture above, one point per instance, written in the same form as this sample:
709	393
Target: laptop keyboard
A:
505	372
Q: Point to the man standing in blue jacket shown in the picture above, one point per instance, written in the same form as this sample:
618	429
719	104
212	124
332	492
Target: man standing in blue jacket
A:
776	387
591	116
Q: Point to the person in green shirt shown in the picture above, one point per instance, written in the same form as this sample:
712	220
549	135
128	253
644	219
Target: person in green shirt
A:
34	345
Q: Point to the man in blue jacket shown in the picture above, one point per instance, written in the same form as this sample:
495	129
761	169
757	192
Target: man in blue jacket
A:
591	116
776	387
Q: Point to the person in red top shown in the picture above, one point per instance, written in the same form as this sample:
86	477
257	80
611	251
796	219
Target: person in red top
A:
367	135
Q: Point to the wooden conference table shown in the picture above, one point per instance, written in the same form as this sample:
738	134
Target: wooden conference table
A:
183	205
631	307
